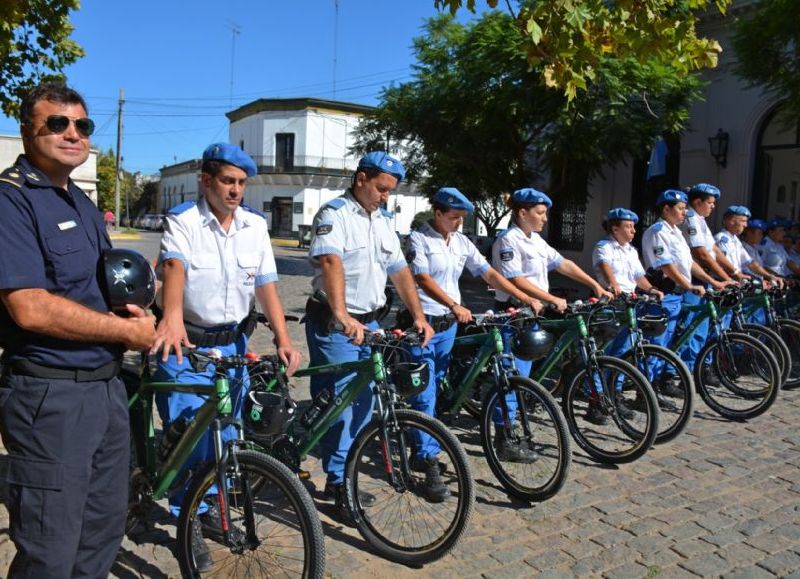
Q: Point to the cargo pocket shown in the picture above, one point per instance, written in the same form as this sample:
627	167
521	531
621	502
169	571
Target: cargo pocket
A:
35	502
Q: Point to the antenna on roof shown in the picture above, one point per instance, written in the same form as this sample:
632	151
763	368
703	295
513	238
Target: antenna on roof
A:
335	43
236	30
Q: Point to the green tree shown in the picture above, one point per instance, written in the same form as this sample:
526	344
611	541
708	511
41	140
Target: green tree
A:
571	39
477	117
34	46
767	43
106	167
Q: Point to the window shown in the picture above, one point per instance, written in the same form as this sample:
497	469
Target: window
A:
241	144
567	227
267	205
284	151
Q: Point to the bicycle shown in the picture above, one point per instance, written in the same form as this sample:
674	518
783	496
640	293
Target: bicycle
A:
401	525
735	374
479	364
269	529
671	380
609	405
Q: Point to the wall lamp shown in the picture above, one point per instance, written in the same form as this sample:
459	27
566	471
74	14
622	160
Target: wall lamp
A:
719	147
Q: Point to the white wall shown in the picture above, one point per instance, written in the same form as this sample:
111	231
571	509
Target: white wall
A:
171	187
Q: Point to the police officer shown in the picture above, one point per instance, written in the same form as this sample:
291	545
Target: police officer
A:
353	249
438	253
702	201
521	255
774	254
667	253
63	410
734	223
216	259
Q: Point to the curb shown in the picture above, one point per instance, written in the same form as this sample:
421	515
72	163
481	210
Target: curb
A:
124	236
285	242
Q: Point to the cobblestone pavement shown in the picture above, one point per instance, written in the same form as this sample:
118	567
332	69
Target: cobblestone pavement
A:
722	499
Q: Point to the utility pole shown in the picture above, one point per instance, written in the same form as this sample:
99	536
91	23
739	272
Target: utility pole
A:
235	31
335	44
119	158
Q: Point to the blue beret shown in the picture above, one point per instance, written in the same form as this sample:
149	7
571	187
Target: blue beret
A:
232	155
671	196
773	224
452	198
704	189
384	163
738	210
757	224
622	214
531	196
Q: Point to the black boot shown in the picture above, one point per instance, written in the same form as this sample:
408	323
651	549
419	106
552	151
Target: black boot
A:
509	451
433	488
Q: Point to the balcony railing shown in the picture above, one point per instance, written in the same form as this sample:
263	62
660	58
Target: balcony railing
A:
303	163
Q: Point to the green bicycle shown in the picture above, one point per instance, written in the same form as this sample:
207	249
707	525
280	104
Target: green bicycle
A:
479	364
401	525
268	529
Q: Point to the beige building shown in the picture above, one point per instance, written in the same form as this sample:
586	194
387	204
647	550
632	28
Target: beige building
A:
84	176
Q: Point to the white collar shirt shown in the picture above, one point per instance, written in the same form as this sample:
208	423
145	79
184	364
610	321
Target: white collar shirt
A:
623	261
514	254
429	253
731	246
367	245
697	233
222	268
664	244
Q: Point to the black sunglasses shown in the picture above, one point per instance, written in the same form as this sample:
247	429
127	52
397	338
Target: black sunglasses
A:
57	124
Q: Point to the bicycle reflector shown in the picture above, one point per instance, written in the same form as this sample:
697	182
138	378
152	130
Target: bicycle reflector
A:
410	378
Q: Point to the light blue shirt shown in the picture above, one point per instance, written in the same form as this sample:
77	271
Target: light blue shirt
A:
429	253
775	257
514	254
367	245
623	261
664	244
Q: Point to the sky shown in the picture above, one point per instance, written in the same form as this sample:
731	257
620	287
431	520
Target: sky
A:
182	66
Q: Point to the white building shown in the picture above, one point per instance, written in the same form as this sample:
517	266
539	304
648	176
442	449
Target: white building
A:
301	147
84	176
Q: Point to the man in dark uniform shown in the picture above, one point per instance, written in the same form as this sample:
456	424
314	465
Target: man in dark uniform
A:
63	410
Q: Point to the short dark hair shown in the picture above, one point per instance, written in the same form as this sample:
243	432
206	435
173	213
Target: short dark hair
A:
698	195
370	172
608	224
53	91
440	207
212	167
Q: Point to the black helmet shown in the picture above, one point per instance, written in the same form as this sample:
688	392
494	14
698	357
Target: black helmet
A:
267	413
653	324
531	343
410	378
130	279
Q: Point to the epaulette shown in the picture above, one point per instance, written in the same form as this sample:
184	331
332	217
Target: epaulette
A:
337	203
253	211
603	242
657	226
690	213
387	213
503	233
13	176
178	209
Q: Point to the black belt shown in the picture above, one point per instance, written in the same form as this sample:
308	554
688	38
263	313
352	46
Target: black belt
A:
28	368
367	317
441	323
221	335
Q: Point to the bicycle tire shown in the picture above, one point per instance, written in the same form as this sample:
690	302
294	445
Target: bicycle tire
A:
773	341
282	499
675	411
730	367
550	440
620	440
381	524
789	331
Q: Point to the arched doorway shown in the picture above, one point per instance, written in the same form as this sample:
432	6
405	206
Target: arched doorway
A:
776	182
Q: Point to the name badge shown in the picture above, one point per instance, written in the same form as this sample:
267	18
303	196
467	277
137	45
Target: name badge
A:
67	225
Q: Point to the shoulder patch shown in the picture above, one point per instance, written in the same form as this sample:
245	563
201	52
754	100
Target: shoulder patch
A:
690	213
323	228
503	233
506	255
603	242
254	211
692	230
178	209
337	203
657	226
658	250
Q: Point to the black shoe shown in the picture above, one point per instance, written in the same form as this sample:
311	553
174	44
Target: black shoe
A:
710	377
343	514
421	465
595	415
432	488
366	499
202	556
623	408
509	451
211	523
669	387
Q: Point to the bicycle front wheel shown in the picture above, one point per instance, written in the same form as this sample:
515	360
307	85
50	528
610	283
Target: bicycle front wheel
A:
789	331
611	411
773	341
737	376
403	524
672	383
537	425
274	531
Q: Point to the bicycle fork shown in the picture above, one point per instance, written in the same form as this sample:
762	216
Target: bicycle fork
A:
389	426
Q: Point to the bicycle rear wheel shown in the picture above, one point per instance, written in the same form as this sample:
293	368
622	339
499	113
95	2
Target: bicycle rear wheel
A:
789	331
673	385
402	525
747	376
596	418
774	343
275	530
539	425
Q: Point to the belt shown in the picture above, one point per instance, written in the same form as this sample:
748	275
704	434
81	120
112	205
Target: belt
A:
367	317
220	335
441	323
28	368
